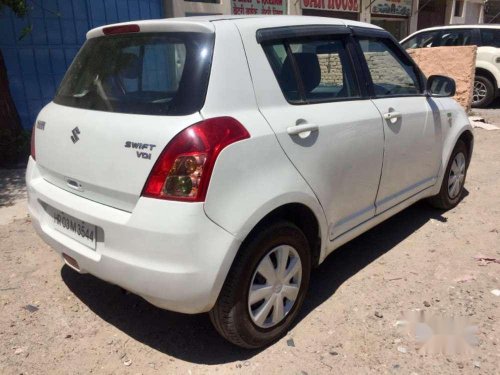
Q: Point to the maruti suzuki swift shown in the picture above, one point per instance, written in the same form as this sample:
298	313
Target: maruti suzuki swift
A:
209	164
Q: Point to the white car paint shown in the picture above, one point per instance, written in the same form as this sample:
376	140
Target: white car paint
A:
176	254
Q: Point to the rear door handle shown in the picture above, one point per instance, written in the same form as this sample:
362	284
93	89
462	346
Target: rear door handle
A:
298	129
392	115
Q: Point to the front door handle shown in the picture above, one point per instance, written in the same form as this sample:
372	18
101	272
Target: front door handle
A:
303	128
392	115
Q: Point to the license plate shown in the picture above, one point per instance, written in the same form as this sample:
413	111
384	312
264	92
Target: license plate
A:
77	229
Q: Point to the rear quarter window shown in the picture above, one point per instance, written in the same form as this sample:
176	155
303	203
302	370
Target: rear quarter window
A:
144	73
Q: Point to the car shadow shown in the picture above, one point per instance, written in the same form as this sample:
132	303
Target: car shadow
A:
191	337
495	104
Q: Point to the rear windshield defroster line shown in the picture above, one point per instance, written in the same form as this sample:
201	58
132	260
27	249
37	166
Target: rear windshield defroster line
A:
146	73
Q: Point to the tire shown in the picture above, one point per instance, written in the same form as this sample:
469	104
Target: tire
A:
447	197
232	313
483	92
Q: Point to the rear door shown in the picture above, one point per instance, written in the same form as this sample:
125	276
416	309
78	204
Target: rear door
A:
308	91
122	100
412	125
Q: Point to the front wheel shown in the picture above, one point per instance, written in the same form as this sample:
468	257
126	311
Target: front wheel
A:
454	179
265	287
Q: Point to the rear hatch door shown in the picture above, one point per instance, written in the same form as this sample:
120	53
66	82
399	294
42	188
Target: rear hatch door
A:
122	100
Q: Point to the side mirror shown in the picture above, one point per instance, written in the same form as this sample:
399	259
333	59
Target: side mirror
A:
441	86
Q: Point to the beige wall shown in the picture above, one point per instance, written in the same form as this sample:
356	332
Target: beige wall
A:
458	63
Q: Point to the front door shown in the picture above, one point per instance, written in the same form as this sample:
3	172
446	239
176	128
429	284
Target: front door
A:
412	147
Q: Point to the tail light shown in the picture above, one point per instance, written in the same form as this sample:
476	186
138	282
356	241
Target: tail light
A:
33	153
121	29
183	170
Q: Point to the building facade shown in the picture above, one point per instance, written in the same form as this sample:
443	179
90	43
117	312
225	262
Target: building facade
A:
400	17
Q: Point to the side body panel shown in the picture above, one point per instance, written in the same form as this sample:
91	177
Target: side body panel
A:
253	177
342	160
412	148
455	123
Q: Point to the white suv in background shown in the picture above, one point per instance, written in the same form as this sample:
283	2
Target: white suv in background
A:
208	164
485	37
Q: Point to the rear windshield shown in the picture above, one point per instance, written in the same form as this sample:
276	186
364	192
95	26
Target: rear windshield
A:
144	73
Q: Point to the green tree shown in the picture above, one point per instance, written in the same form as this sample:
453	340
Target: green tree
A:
14	141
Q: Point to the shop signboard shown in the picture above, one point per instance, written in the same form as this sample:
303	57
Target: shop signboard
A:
250	7
333	5
392	7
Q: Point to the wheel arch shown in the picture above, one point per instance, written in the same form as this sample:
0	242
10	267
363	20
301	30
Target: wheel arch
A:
466	135
300	215
468	138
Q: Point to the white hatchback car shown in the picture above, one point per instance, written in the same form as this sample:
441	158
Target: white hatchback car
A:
208	164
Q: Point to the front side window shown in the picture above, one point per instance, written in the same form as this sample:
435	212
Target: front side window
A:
422	40
490	38
144	73
392	73
452	37
312	70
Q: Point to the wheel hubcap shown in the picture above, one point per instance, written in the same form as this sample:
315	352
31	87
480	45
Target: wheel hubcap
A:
275	286
480	91
457	176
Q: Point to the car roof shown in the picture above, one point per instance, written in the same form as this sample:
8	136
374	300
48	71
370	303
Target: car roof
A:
204	23
278	20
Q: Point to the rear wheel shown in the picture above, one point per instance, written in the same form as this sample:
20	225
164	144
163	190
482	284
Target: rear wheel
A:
484	92
265	287
454	179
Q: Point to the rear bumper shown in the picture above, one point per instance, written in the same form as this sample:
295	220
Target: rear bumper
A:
169	253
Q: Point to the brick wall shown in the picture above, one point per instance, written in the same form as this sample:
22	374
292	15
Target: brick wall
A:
383	67
331	70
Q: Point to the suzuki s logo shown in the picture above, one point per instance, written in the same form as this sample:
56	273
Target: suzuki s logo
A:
75	133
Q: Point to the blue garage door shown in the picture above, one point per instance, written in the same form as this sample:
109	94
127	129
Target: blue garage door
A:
37	63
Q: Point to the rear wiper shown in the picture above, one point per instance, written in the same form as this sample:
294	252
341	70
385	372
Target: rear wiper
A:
82	94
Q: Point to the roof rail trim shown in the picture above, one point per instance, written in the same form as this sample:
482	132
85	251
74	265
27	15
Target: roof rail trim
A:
369	32
297	31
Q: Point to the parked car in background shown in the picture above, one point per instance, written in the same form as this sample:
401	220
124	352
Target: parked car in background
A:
485	37
209	164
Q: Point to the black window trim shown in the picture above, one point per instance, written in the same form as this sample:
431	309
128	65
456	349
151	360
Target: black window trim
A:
383	35
350	49
273	34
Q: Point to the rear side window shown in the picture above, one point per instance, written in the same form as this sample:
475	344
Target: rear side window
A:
392	73
422	40
490	37
144	73
454	37
313	69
